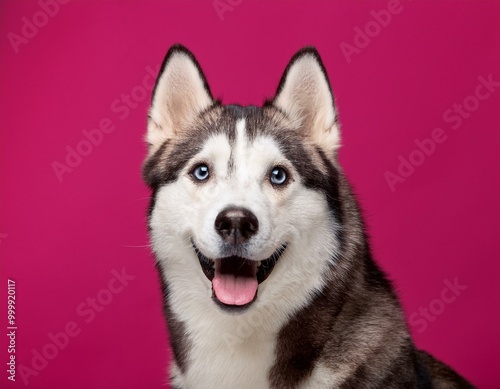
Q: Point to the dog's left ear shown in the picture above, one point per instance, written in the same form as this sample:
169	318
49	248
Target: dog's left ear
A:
304	94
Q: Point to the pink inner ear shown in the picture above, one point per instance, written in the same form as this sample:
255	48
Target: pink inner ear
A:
181	93
305	95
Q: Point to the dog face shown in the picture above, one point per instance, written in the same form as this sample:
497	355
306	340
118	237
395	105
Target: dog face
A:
241	192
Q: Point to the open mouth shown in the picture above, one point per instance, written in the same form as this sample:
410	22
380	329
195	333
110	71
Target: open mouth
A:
235	280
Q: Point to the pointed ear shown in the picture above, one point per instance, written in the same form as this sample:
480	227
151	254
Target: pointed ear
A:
181	92
304	94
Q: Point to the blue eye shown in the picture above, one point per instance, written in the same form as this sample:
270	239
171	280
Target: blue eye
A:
200	172
278	176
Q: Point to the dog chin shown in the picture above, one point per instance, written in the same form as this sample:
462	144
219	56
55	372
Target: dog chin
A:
235	280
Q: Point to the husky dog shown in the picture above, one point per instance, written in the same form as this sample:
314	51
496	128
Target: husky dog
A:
267	273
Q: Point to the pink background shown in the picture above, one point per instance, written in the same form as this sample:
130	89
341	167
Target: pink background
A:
60	241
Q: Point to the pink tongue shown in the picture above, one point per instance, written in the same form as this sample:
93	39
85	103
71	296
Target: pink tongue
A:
233	290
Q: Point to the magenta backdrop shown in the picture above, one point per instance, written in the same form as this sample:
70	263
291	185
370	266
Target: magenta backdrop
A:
73	227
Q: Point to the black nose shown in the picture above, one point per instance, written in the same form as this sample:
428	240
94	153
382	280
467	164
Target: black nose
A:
236	225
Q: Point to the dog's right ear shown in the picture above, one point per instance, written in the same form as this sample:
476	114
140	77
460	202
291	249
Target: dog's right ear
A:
181	92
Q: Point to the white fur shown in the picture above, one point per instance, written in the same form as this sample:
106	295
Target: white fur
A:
237	350
324	377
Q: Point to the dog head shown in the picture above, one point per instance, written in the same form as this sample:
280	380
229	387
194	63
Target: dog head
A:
244	198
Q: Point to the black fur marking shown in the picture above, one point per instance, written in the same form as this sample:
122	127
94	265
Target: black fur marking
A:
423	378
315	179
151	207
171	157
150	173
238	111
176	328
302	340
441	374
376	279
332	187
178	158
